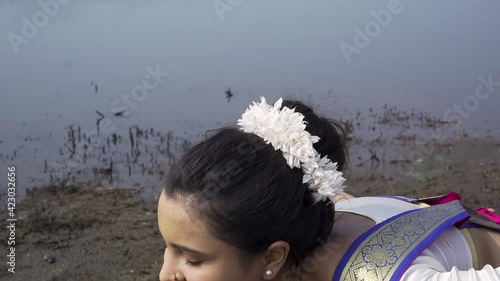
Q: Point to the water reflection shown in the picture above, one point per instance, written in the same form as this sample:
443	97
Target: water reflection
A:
91	54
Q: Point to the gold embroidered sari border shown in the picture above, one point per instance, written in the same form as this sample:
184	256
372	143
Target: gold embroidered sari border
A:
383	252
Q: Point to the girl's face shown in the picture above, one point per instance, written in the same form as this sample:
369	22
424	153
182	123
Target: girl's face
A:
194	255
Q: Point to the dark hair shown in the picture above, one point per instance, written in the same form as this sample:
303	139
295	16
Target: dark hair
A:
247	194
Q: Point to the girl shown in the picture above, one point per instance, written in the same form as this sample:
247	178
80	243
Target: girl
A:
265	201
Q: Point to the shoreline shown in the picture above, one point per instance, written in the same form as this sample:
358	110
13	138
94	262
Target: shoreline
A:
87	231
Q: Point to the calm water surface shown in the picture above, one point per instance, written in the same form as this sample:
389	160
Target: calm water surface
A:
427	57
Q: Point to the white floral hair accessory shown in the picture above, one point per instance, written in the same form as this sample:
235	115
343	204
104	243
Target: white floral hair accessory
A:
285	130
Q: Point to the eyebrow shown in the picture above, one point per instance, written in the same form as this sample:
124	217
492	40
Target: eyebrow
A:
189	250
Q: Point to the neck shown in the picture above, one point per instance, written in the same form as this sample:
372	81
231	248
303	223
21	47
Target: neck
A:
292	271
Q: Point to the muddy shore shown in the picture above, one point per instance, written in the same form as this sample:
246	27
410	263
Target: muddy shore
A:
88	231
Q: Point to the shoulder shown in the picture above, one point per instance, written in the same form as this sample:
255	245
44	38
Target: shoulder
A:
377	209
346	229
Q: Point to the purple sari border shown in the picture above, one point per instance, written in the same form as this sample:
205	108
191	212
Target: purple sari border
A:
354	246
404	199
460	215
475	225
426	243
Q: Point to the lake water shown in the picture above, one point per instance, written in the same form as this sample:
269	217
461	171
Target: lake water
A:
62	64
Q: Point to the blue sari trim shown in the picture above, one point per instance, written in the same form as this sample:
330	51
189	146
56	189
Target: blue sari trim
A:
385	251
476	220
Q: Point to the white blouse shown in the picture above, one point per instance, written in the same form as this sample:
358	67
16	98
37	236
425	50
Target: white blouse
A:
447	258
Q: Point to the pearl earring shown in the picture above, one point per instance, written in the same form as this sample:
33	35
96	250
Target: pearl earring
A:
269	272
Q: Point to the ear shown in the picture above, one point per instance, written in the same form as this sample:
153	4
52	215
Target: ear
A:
274	258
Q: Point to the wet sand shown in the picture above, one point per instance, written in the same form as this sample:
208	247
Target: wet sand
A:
91	232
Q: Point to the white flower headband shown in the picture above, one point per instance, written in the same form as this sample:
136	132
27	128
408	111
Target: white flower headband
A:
285	130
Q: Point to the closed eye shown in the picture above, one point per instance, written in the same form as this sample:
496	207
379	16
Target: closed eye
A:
192	257
193	263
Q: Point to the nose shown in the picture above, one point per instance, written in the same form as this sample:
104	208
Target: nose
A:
163	274
167	269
